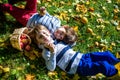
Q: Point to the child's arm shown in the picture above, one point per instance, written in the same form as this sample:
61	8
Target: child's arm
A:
50	59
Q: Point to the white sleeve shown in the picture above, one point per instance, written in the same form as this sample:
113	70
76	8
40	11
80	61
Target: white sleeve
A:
50	59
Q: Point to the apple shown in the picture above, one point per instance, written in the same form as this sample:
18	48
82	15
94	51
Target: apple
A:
23	36
25	41
27	47
21	45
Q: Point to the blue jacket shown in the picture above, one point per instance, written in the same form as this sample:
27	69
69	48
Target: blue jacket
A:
50	22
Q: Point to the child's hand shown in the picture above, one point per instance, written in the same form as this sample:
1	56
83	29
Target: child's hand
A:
42	10
50	46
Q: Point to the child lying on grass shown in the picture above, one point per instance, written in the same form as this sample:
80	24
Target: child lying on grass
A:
74	62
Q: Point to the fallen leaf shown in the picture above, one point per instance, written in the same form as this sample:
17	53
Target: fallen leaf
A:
100	20
30	77
89	30
118	55
75	28
32	56
117	66
21	6
113	44
36	53
6	69
116	11
81	8
63	15
91	9
52	73
118	28
76	77
96	43
84	20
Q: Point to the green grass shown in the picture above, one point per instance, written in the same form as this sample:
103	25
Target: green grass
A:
13	59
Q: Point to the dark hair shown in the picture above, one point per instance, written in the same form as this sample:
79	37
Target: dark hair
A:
70	36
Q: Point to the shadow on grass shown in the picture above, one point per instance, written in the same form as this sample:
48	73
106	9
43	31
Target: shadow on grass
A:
7	24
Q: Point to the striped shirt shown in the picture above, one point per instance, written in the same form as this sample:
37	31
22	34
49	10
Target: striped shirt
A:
50	22
64	57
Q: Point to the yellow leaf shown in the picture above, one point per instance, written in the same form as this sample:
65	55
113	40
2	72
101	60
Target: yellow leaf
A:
89	30
7	69
91	9
102	45
98	37
63	15
19	68
96	43
52	73
113	44
1	67
36	53
117	66
87	2
2	40
49	0
32	56
62	2
75	28
81	8
118	1
118	55
118	28
21	6
100	20
76	77
84	20
110	48
116	11
99	75
30	77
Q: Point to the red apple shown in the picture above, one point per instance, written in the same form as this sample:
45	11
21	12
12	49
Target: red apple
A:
23	36
25	41
27	47
21	45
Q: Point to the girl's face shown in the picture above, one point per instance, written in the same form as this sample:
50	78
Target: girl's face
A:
43	36
60	33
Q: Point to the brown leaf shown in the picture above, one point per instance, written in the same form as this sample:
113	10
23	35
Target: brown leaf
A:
91	9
